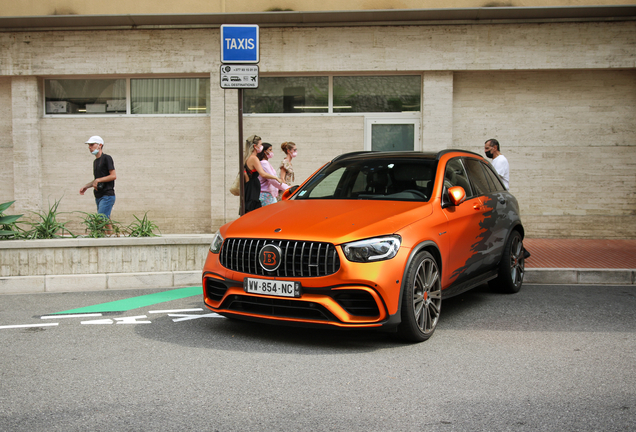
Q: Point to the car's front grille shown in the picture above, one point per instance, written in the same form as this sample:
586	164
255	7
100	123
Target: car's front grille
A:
299	258
276	307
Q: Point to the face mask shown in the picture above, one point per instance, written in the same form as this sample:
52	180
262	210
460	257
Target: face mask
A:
489	155
94	152
294	154
258	148
269	155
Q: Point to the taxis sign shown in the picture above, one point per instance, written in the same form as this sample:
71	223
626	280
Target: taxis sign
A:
239	43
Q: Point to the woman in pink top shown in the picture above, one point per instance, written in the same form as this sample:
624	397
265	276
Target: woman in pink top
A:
269	188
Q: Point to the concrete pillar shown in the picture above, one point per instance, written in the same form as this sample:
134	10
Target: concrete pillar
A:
437	111
27	147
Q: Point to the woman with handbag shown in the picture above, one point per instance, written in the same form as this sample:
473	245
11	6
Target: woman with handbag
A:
252	170
269	188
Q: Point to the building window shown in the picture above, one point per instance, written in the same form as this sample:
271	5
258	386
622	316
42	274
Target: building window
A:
85	96
334	94
109	96
363	94
170	95
288	95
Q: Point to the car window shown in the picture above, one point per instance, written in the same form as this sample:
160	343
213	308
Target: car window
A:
477	176
455	175
400	179
495	180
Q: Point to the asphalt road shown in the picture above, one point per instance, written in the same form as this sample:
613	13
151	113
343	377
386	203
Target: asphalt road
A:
559	358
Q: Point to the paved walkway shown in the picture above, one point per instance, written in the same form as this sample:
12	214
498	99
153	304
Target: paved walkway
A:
579	261
581	254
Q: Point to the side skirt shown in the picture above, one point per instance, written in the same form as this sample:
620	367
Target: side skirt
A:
454	290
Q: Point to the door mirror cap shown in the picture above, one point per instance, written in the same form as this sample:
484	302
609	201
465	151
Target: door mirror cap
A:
289	192
457	195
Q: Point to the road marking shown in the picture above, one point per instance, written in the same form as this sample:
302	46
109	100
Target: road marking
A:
137	302
98	322
177	310
132	320
71	316
187	317
28	325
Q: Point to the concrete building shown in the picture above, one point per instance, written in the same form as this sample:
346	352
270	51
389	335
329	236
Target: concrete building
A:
555	85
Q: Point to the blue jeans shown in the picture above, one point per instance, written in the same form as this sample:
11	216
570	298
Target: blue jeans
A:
105	204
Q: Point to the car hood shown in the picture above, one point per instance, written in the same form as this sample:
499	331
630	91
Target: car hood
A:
334	221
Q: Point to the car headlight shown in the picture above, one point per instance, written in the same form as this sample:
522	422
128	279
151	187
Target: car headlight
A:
217	242
375	249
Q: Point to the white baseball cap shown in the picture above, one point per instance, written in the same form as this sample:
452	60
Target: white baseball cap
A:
95	140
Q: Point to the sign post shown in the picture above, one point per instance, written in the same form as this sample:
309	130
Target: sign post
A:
239	70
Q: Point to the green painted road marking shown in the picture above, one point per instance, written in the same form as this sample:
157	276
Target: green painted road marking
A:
137	302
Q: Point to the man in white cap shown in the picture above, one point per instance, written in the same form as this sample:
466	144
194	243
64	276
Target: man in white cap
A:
104	178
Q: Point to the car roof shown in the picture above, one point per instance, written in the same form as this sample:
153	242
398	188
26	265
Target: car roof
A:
360	155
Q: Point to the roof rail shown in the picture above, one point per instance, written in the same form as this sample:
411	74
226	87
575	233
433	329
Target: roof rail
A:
443	152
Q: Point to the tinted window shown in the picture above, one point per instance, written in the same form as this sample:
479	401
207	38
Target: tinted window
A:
477	176
495	181
399	179
455	175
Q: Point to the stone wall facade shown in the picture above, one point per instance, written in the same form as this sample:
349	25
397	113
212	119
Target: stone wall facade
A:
560	97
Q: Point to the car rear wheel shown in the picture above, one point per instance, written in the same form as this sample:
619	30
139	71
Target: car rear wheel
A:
421	300
511	267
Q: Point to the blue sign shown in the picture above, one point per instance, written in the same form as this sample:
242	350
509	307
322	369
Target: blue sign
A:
239	43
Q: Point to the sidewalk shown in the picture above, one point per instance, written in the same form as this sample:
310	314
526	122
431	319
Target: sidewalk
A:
581	261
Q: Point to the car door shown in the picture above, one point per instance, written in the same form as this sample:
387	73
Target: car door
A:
463	232
495	223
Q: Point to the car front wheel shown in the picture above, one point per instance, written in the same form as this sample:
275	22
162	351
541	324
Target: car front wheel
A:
421	300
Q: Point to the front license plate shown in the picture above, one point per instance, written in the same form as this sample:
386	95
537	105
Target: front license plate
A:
271	287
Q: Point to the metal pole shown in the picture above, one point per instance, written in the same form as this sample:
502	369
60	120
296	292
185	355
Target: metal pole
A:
240	134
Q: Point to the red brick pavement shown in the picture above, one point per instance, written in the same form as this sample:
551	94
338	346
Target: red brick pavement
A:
581	253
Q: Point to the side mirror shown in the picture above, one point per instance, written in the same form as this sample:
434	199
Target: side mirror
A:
289	192
457	195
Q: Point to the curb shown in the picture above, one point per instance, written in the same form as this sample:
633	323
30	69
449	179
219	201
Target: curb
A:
179	279
98	282
570	276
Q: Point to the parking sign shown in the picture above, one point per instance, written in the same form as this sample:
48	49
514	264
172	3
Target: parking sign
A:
239	43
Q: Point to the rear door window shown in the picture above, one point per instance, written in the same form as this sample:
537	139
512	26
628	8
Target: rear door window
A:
478	176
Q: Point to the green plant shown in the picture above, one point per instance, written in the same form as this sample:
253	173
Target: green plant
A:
98	225
48	226
8	228
142	227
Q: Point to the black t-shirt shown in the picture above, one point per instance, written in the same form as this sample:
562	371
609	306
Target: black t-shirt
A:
102	167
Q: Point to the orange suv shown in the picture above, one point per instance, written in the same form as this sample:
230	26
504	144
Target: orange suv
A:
372	239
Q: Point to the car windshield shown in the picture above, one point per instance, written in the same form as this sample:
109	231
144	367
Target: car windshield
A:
394	179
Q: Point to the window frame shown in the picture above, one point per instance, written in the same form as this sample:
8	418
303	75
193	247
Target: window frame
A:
127	78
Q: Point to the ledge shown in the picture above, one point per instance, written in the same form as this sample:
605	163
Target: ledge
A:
168	239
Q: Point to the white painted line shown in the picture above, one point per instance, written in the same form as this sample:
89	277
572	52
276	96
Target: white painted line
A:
177	310
102	321
186	317
132	320
28	325
71	316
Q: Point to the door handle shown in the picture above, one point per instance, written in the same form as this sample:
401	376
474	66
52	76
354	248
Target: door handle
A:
477	206
502	200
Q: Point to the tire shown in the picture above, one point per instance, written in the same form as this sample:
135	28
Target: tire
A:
421	300
511	267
